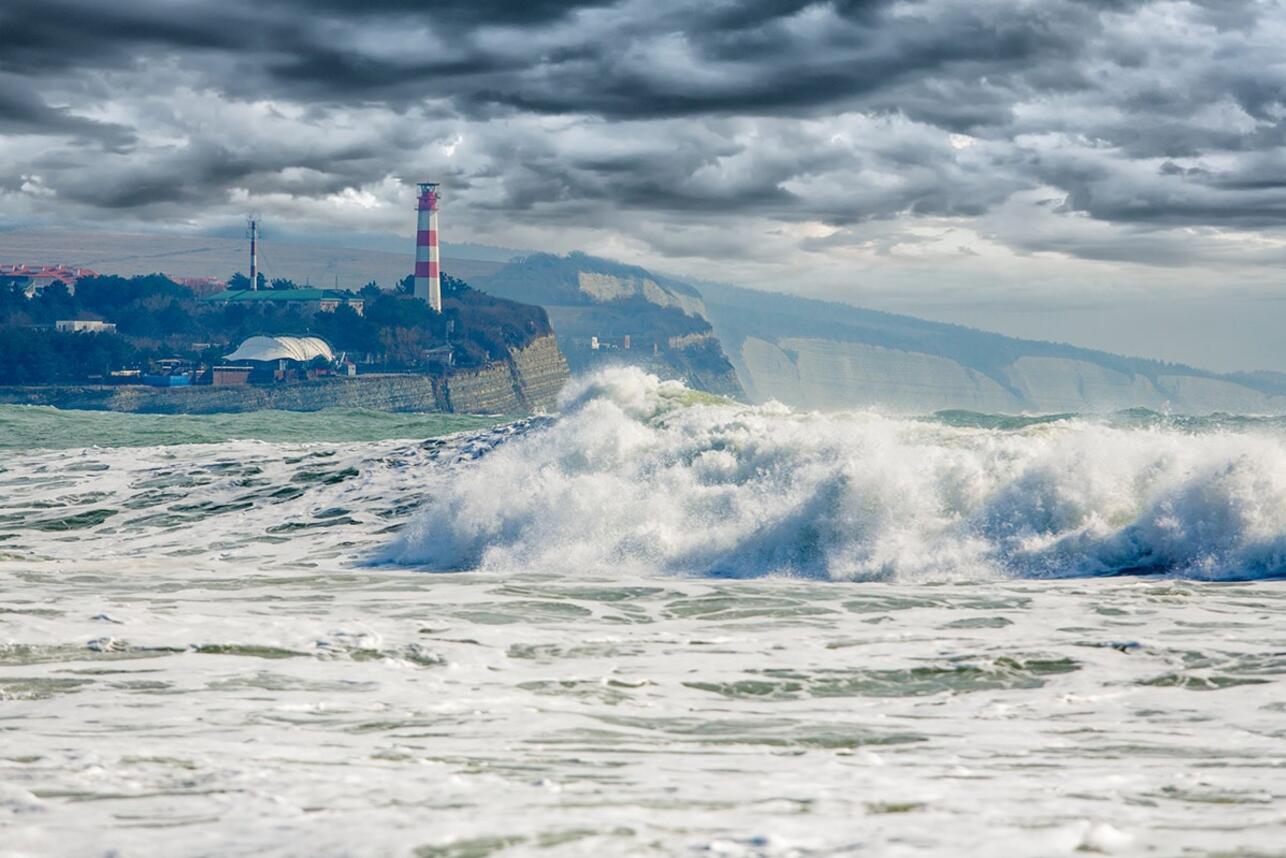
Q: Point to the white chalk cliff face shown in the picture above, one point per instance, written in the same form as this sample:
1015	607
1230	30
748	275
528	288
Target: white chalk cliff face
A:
810	354
578	279
827	375
609	287
823	374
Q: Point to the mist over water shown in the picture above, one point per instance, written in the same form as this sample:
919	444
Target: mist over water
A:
645	475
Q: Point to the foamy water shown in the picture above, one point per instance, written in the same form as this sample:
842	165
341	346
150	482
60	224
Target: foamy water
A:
635	475
680	627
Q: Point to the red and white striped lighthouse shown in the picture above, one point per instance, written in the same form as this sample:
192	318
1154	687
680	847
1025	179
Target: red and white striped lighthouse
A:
428	281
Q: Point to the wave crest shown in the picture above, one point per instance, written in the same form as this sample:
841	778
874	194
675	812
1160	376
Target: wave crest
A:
647	475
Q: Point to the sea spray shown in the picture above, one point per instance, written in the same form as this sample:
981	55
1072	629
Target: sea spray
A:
644	475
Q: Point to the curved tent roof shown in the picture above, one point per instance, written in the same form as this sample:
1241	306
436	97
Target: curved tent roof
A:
302	349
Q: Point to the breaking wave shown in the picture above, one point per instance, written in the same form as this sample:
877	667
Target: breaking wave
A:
648	475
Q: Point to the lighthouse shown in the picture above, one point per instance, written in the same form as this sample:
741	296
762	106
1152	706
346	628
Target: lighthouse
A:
428	280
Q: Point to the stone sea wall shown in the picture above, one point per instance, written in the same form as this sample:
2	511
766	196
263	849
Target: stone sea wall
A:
529	380
540	371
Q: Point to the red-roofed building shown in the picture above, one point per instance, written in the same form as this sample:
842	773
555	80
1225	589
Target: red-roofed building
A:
36	278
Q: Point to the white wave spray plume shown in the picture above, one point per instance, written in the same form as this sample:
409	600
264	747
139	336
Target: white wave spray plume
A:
646	475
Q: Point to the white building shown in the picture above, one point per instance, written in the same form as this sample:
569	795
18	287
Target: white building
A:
85	326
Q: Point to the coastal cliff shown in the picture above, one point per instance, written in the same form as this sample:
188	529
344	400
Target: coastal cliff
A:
607	313
529	380
819	355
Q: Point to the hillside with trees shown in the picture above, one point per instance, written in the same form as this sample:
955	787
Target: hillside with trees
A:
158	319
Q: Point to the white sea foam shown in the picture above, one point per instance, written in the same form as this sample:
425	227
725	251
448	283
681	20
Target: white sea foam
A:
643	474
197	656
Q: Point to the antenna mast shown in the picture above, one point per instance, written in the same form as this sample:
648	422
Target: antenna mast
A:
253	231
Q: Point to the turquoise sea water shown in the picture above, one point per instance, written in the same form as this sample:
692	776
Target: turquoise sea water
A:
36	427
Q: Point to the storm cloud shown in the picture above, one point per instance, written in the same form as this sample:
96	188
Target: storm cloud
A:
1129	131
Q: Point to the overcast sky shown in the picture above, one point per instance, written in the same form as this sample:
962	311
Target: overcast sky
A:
1110	173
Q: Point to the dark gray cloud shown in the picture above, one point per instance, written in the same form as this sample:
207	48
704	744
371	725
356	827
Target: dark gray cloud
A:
24	111
620	61
1148	115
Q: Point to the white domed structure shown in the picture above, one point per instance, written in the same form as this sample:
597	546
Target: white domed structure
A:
302	349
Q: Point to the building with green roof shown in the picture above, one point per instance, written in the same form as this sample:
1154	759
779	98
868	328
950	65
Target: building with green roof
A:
313	299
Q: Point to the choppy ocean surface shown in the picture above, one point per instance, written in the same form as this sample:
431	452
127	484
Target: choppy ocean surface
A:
656	624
